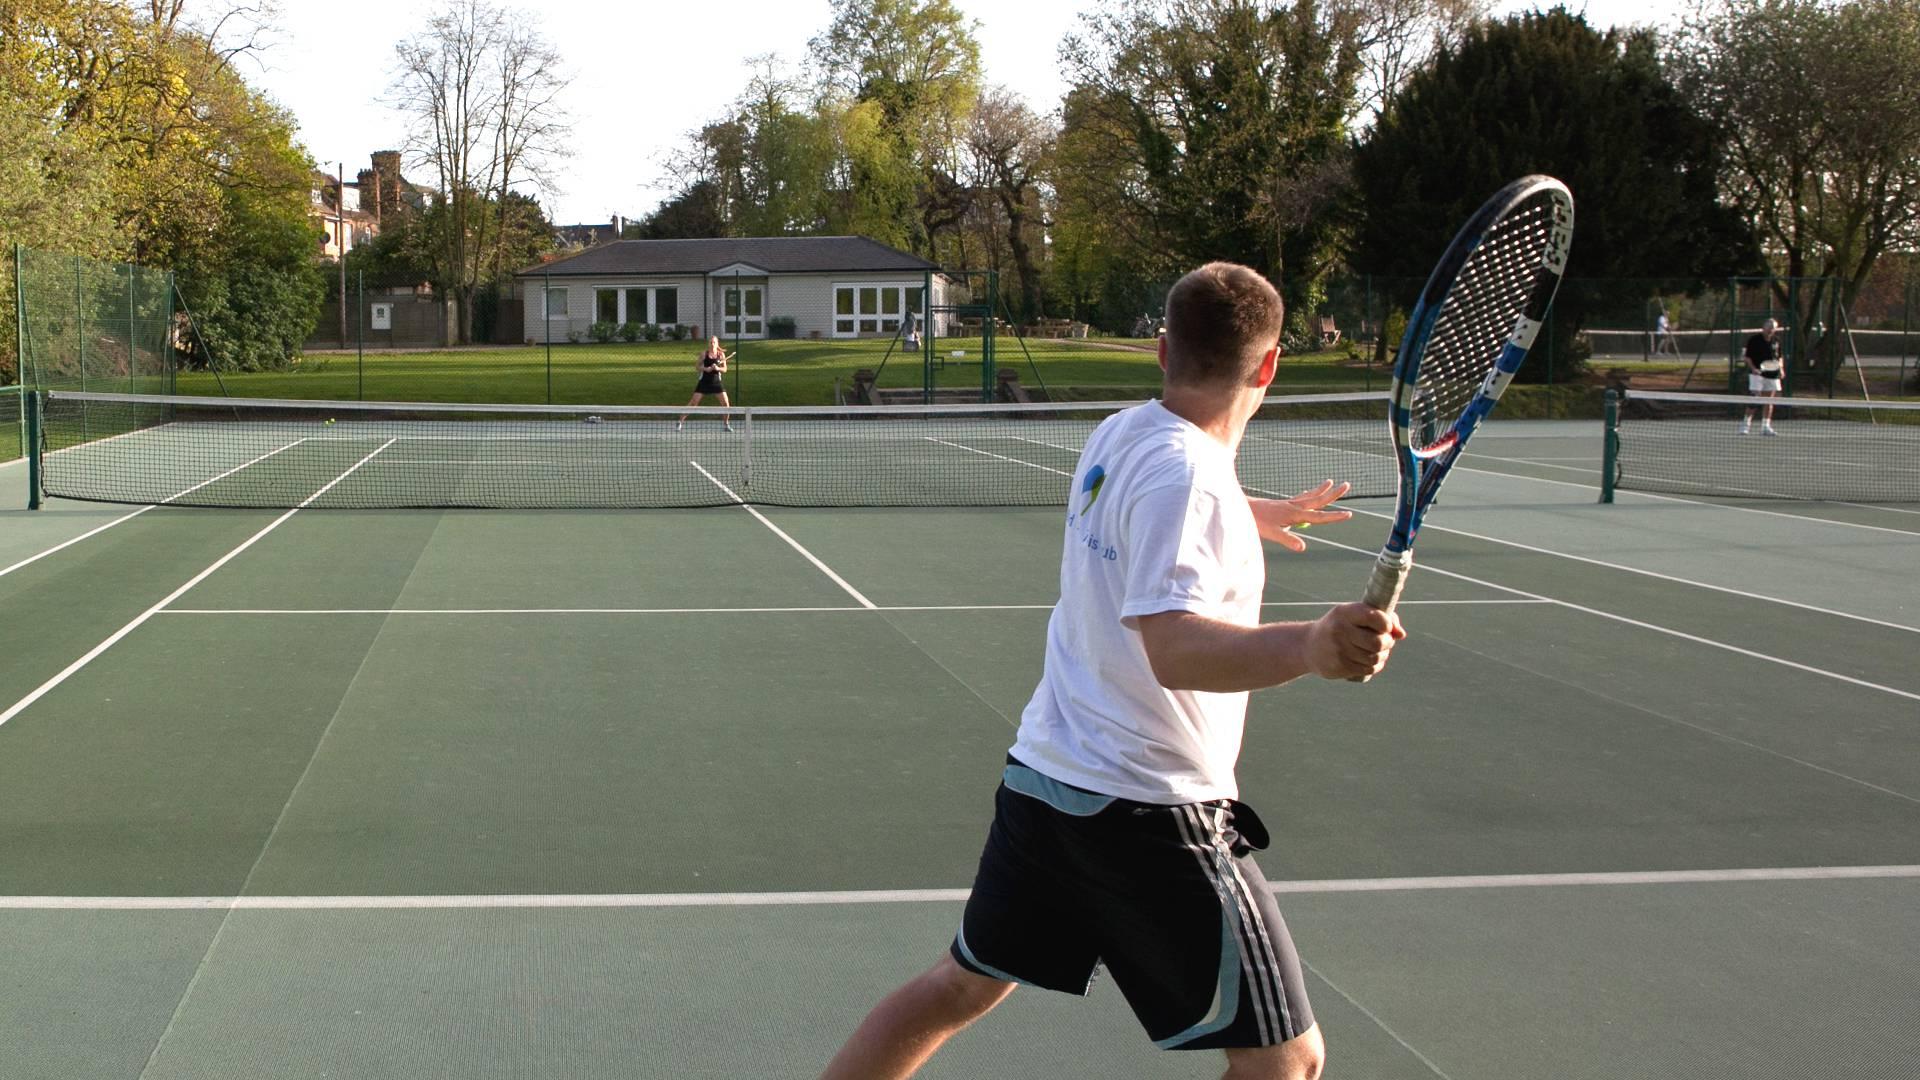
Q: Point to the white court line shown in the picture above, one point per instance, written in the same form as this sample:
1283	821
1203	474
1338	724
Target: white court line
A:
1509	601
1690	502
537	901
1742	593
67	673
791	542
129	517
998	457
1636	494
1683	635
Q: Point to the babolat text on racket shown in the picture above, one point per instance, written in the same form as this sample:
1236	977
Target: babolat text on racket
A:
1475	320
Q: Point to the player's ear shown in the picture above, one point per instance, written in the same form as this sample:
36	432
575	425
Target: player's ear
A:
1269	366
1161	350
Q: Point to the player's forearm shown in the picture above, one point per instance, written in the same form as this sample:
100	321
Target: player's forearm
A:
1193	652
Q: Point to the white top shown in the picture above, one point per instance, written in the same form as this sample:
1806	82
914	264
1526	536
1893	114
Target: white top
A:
1156	522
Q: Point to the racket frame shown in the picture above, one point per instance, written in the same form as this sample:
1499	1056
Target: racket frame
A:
1422	469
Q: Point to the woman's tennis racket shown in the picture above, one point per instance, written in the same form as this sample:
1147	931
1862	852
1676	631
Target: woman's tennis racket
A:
1475	320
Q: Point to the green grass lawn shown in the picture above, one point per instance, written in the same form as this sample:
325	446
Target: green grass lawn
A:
765	373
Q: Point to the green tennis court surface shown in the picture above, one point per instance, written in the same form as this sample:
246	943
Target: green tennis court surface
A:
670	793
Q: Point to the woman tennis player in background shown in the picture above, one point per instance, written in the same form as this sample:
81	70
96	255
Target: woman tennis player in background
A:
713	365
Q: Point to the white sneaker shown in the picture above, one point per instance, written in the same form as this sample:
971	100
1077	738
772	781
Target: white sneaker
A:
1767	429
679	425
729	427
1745	427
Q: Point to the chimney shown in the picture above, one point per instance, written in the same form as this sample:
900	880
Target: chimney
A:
369	181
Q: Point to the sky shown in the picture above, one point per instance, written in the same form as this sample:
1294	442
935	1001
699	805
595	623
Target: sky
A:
646	74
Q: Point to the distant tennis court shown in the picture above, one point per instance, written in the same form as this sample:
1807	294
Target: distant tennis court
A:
680	792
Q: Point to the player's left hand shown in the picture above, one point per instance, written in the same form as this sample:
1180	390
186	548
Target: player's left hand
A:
1277	518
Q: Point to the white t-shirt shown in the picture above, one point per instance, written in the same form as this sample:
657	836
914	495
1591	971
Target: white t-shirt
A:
1156	522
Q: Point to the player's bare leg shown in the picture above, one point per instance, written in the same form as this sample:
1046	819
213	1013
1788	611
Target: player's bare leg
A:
908	1025
1300	1058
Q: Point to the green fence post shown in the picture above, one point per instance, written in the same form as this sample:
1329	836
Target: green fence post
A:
133	387
30	401
546	327
20	341
1610	447
360	332
80	320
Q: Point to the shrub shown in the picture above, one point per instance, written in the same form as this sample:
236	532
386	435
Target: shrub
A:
576	336
603	331
629	331
676	332
781	326
653	331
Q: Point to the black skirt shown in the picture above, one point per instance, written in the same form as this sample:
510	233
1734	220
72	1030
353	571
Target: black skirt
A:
710	383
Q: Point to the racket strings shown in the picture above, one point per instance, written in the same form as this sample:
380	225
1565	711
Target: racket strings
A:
1477	317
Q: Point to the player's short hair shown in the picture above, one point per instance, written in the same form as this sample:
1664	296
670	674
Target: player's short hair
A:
1221	320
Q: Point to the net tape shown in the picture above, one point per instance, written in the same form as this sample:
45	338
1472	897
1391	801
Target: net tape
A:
281	454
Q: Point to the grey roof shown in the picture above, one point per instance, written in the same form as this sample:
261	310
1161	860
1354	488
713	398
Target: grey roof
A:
774	254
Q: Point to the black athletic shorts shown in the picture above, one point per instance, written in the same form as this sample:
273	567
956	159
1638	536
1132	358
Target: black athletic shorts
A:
1167	897
710	384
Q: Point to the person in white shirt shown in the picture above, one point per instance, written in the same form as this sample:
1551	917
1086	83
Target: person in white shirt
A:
1117	837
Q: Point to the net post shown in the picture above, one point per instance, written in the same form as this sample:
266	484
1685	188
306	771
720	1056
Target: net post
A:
30	401
746	449
1610	453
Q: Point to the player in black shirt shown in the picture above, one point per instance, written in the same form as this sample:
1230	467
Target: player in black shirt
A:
1764	372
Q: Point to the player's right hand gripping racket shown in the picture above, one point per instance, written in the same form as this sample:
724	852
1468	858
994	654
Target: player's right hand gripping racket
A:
1475	320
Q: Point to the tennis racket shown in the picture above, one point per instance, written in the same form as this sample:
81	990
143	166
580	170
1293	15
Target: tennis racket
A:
1476	318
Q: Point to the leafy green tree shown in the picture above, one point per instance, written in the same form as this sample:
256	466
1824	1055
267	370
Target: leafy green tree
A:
911	71
694	212
129	134
1547	93
1819	103
1216	129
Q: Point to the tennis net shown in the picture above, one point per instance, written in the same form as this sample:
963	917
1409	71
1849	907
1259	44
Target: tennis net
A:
1703	444
237	452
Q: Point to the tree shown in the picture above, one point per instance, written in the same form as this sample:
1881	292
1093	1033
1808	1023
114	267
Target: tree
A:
695	211
1397	37
910	70
1217	130
481	88
1546	93
130	135
1820	106
1010	146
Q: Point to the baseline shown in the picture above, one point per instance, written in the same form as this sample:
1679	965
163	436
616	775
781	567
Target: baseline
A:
924	896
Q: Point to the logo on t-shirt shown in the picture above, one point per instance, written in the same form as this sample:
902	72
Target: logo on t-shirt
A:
1090	487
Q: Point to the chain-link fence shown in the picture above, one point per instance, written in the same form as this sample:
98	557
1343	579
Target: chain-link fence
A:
89	325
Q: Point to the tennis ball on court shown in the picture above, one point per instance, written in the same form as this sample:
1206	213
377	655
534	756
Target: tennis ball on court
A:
329	419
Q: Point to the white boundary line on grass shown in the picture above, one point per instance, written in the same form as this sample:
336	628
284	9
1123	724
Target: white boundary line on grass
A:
129	517
537	901
1681	634
65	674
791	542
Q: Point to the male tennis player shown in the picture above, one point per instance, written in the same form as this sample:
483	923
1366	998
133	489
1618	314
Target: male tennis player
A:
1116	838
1764	372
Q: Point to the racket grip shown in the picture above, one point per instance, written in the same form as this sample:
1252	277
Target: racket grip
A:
1384	584
1388	578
